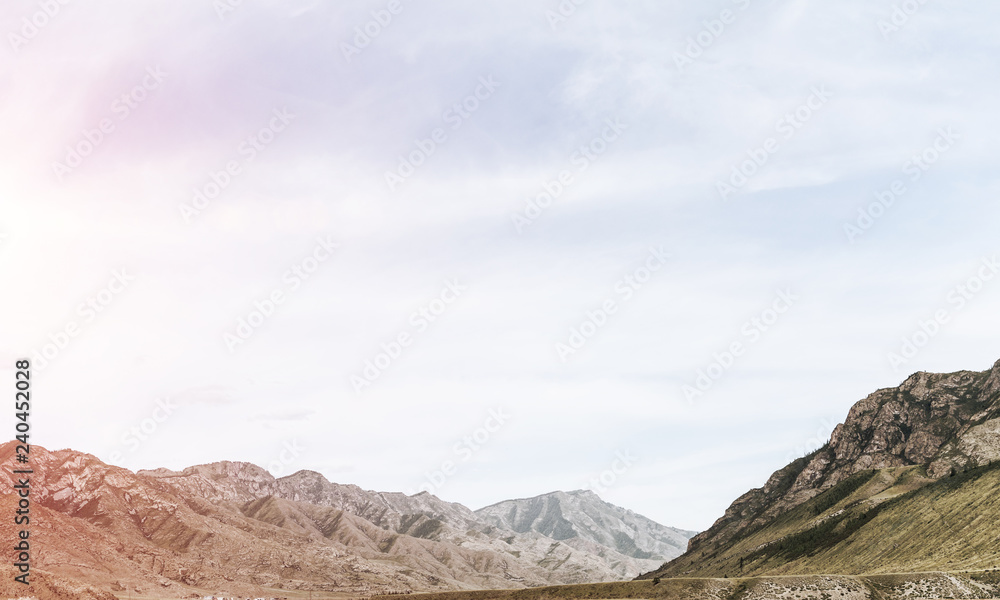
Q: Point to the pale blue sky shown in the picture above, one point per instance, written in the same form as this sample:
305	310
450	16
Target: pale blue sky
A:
495	345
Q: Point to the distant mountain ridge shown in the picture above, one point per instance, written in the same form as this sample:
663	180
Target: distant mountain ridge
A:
589	524
583	515
230	528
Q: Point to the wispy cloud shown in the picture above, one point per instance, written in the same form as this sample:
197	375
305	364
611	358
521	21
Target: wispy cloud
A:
654	186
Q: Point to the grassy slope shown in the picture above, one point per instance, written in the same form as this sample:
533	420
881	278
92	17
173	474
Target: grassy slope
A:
888	521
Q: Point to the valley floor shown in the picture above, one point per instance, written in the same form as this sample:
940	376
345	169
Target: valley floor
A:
965	585
968	585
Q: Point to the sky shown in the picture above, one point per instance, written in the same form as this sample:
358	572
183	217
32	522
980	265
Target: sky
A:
495	249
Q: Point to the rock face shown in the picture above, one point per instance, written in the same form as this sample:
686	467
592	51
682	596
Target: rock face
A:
230	528
945	422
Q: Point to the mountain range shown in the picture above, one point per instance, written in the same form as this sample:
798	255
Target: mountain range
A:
909	483
230	528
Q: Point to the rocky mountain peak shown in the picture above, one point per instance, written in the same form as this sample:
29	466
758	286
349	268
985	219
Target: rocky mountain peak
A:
943	422
242	471
581	517
305	476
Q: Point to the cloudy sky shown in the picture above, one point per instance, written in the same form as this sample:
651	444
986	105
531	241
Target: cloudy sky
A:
492	249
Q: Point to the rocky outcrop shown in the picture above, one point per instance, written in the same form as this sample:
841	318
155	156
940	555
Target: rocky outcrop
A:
946	422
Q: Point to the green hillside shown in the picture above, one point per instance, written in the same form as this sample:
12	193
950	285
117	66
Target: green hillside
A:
878	521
